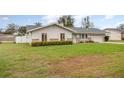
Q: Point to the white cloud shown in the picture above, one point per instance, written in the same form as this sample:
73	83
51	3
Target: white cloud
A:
78	20
48	19
4	18
106	26
108	17
112	25
118	23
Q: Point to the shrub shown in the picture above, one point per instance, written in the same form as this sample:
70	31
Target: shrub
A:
90	41
46	43
106	38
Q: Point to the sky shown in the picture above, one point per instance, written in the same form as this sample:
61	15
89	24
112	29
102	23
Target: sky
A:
100	21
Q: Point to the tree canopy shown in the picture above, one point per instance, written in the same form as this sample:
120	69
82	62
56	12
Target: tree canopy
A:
86	23
66	20
38	24
22	30
11	28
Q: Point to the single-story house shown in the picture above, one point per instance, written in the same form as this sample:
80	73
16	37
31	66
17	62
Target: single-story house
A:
57	32
7	37
113	33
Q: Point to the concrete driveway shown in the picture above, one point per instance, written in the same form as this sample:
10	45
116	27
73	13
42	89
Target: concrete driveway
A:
114	42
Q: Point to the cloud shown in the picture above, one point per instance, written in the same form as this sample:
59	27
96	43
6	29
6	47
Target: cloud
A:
4	18
112	25
48	19
118	23
108	17
78	20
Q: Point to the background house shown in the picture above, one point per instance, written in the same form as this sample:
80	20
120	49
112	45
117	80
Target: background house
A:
114	34
6	37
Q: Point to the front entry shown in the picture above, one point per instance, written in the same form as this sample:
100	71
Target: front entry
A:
44	37
62	37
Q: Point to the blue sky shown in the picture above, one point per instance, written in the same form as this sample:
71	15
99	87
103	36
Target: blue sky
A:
100	21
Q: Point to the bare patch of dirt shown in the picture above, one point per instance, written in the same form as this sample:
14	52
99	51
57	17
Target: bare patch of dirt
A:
87	66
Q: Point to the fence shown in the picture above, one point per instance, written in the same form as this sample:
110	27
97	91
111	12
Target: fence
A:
22	39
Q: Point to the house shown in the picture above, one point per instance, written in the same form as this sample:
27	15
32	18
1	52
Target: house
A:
113	33
6	37
57	32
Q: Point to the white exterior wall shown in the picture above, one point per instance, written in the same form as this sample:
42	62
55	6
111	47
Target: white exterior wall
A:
97	38
53	32
22	39
114	35
93	37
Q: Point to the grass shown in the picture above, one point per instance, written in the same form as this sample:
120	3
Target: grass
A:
81	60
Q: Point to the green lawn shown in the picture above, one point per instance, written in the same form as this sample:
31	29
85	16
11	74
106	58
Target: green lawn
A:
80	60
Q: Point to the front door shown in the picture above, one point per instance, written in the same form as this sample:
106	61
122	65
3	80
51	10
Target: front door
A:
62	37
44	37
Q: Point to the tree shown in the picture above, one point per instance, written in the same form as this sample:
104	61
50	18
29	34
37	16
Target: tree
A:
121	27
67	21
1	30
11	28
38	24
22	30
86	23
70	21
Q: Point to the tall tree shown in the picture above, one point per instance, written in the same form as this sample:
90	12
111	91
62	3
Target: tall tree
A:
22	30
66	20
121	27
86	23
70	21
38	24
11	28
1	30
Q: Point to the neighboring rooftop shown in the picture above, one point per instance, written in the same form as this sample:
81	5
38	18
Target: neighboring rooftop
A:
6	37
29	27
112	29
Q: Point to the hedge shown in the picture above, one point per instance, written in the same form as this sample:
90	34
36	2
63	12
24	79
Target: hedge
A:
46	43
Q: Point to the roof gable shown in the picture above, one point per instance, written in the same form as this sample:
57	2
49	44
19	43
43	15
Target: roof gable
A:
73	29
51	25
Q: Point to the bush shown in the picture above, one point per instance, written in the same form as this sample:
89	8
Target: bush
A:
106	38
51	43
90	41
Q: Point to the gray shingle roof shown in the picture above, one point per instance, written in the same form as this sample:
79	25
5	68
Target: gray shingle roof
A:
29	27
89	30
73	29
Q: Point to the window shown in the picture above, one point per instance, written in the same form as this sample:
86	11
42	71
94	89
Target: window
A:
62	37
44	37
86	35
82	36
